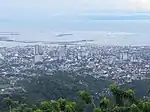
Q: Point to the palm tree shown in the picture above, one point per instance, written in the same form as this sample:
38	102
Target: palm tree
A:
50	106
66	106
116	94
86	97
121	97
104	104
69	108
62	104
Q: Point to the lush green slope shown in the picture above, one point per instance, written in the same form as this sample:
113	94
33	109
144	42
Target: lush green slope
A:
123	101
61	84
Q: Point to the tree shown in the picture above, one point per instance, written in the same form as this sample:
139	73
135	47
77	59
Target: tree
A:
97	110
9	103
85	96
134	108
104	104
65	105
38	110
62	104
22	108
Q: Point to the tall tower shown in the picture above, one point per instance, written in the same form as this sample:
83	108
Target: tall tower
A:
38	54
38	50
124	56
62	52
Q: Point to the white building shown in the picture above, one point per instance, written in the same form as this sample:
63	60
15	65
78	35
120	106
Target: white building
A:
124	56
62	52
38	58
1	57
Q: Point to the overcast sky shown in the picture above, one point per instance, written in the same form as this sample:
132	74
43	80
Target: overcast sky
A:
56	7
31	12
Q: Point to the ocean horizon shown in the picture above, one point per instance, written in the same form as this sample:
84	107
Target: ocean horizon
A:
119	33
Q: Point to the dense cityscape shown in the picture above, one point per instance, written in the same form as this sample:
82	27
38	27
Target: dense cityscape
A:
117	63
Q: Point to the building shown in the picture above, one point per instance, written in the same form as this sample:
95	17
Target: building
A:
62	52
38	58
124	56
38	50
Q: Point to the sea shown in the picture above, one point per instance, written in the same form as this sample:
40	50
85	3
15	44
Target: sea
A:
102	32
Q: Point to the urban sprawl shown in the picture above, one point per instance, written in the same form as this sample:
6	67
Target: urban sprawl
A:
119	63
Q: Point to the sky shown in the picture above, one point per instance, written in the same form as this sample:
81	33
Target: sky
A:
30	9
60	13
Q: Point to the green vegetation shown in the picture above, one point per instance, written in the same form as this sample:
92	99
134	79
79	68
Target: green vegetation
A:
69	92
122	101
61	85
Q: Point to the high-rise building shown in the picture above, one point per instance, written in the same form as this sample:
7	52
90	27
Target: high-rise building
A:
62	52
38	50
124	56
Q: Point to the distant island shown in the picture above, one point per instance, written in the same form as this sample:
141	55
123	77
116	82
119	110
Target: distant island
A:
64	34
5	39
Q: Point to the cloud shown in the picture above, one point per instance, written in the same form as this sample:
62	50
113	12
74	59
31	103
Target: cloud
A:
79	6
68	10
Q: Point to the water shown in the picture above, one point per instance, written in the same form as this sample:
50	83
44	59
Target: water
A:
102	32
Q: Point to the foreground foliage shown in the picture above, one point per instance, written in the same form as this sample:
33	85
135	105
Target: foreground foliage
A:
122	101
